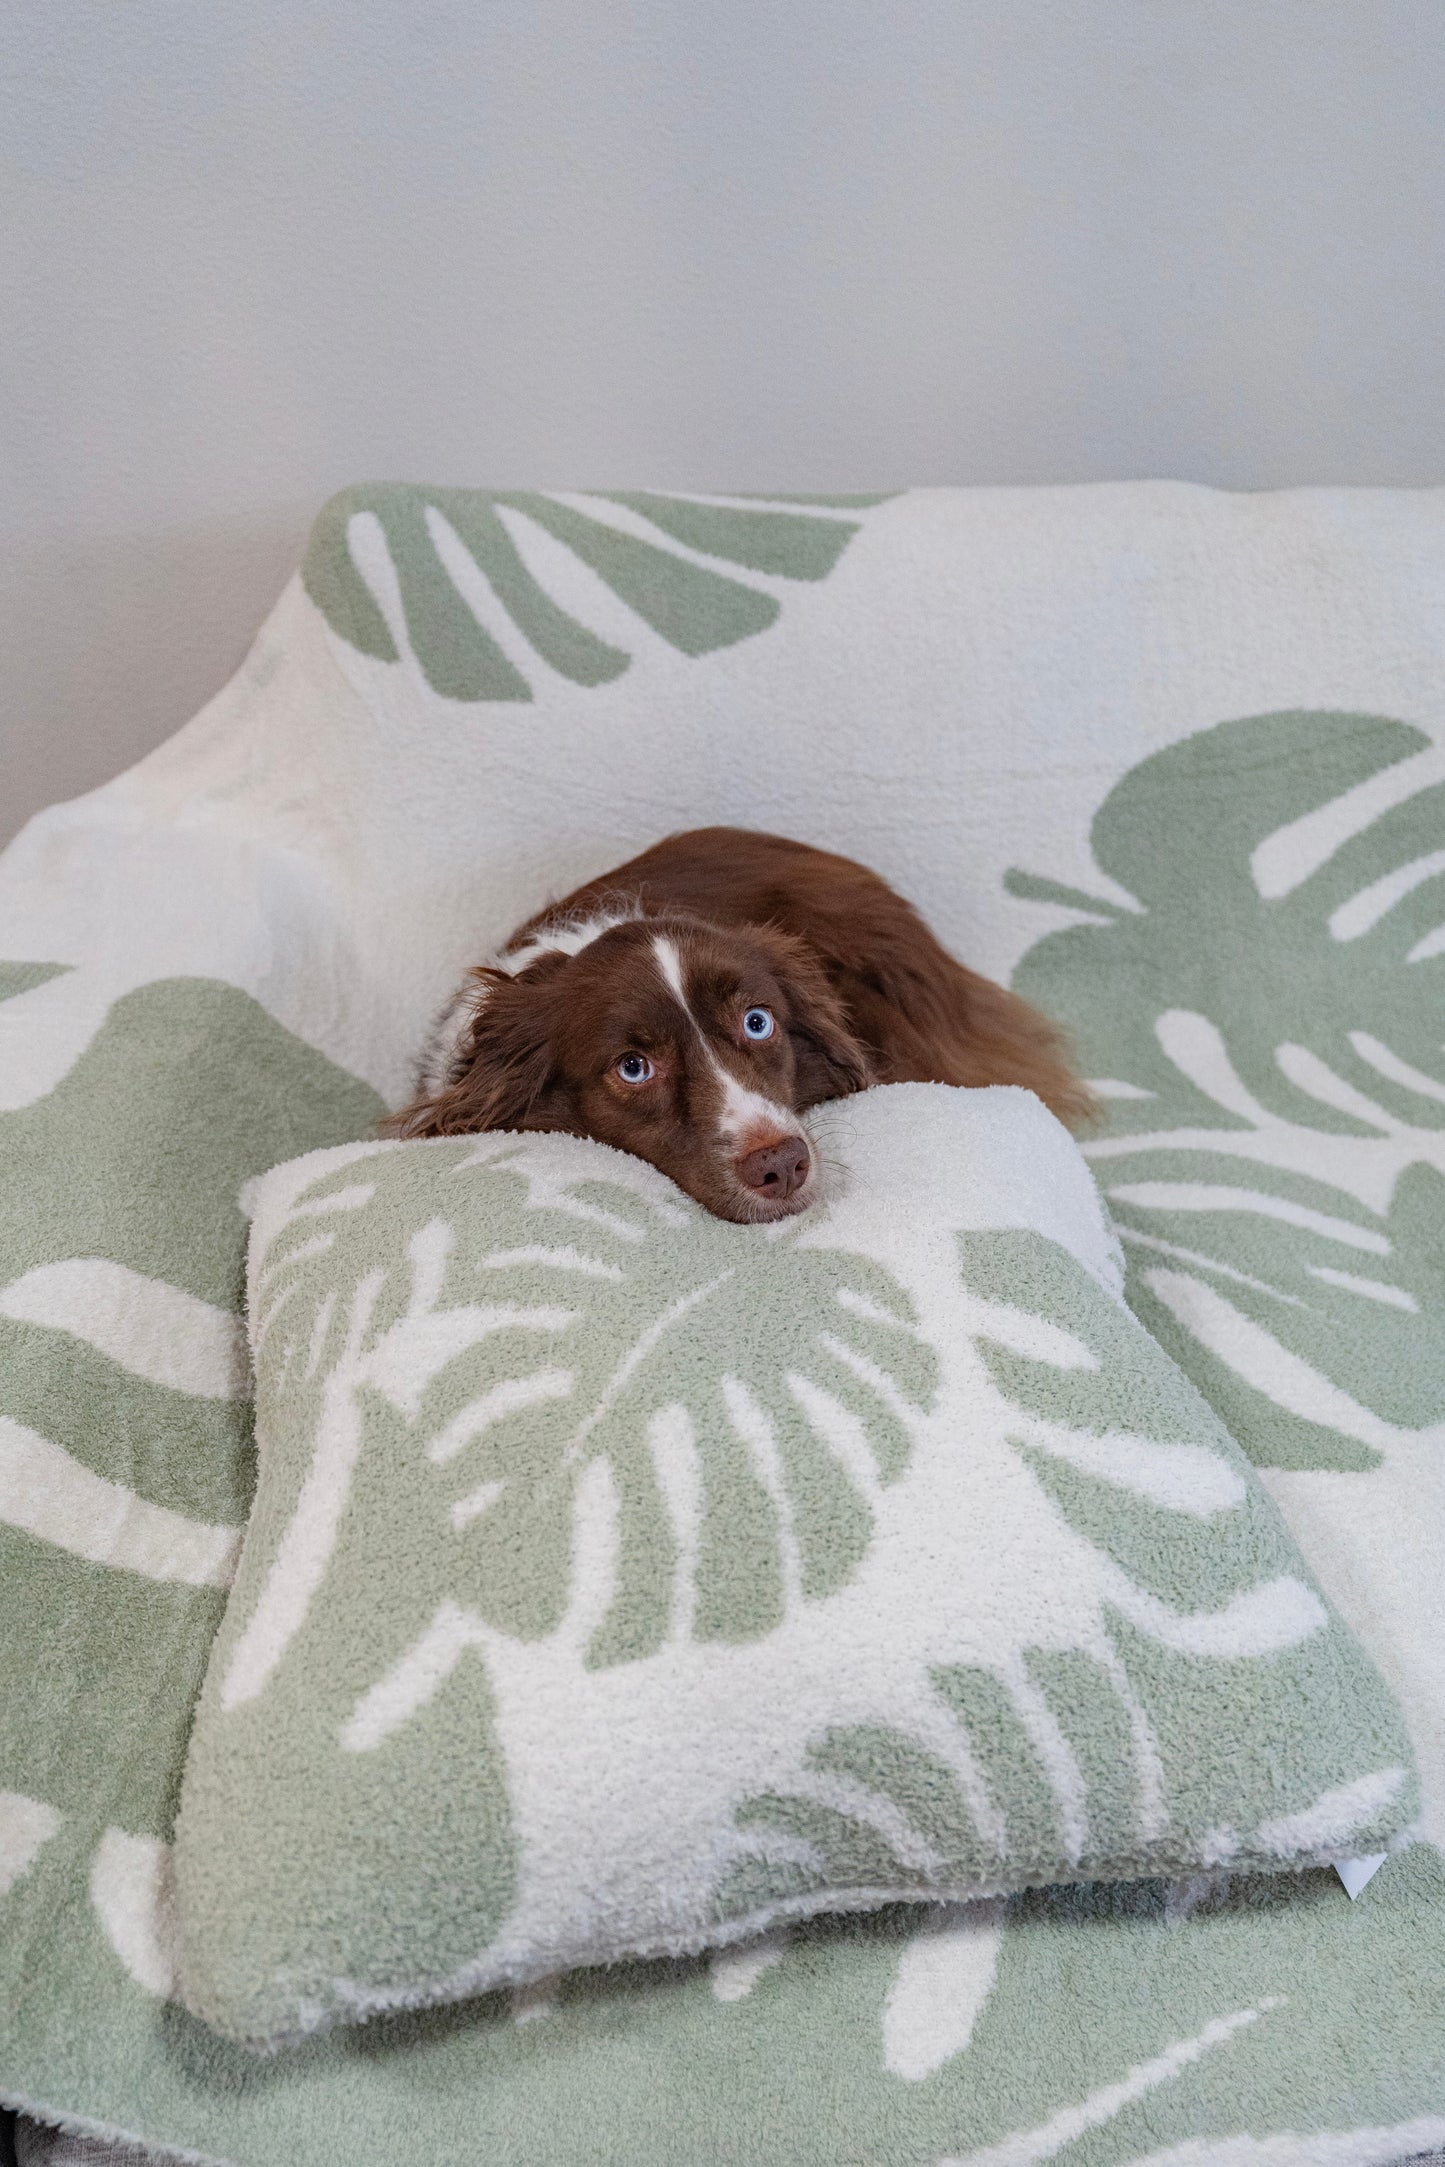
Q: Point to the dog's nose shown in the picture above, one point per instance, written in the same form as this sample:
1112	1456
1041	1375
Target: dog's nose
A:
776	1170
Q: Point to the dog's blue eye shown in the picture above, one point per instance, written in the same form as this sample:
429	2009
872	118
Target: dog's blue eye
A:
758	1023
635	1068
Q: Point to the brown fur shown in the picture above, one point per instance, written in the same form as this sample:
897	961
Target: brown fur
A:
861	991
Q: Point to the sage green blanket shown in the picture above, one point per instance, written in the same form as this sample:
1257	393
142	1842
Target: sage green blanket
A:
624	1582
1200	738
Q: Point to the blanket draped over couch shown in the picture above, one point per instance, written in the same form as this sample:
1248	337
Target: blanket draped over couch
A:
1173	762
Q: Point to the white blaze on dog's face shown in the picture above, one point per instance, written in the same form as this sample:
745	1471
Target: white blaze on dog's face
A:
693	1046
771	1156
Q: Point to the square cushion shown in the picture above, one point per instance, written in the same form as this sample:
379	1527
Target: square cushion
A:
621	1580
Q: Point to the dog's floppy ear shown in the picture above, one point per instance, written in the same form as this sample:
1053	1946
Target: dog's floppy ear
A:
502	1066
829	1062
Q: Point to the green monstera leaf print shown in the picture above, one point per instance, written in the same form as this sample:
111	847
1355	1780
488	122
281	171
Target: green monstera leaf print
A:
443	545
523	1423
1267	1014
1147	1753
22	977
126	1460
499	1353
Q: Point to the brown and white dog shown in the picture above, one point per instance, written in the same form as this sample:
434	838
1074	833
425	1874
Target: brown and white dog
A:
692	1005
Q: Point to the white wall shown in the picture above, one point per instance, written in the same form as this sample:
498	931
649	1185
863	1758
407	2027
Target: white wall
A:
253	249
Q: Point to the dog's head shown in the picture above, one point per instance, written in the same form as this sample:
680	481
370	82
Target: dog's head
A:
694	1046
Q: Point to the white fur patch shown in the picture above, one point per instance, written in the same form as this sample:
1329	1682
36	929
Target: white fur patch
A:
562	936
670	964
566	937
742	1109
437	1064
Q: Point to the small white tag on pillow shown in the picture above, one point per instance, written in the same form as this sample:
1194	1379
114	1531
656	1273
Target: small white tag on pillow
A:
1356	1872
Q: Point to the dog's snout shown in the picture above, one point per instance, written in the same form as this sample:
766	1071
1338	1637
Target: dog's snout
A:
776	1170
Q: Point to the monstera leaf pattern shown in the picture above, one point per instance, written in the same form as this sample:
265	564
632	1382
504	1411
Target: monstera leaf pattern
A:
545	1440
22	977
124	1416
126	1460
1106	2022
659	555
1091	1755
1266	1012
553	1350
618	1575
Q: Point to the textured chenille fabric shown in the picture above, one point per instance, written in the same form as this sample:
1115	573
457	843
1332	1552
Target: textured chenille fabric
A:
622	1581
1171	761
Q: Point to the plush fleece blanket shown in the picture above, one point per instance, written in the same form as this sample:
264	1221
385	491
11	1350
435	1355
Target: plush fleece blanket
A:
624	1582
1174	760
